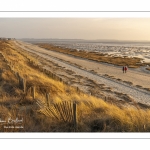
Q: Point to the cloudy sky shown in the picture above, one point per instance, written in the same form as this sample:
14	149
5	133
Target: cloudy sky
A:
76	28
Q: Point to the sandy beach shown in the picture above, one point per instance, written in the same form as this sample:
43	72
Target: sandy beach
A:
100	79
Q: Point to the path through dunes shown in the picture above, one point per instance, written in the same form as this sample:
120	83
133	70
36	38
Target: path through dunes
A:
98	72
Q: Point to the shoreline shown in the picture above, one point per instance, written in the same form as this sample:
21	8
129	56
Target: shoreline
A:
134	62
52	98
98	69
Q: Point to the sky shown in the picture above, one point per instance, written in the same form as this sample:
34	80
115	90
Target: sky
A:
76	28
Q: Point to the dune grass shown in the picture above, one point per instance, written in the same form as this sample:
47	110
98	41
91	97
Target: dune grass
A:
100	57
93	114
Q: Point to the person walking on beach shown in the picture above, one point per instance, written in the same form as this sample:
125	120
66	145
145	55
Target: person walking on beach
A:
125	68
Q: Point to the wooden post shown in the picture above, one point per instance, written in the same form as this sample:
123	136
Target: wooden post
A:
24	85
33	92
16	74
75	115
20	81
29	91
78	91
47	99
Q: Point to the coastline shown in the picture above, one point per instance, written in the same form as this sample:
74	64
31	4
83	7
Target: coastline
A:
110	72
55	82
133	62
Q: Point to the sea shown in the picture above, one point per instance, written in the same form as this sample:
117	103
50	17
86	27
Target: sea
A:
114	48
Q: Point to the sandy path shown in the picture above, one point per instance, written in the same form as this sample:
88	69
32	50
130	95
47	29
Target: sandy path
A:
133	75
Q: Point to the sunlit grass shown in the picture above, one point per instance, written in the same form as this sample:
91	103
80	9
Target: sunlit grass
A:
120	61
93	114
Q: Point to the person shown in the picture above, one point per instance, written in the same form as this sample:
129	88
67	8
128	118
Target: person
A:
125	68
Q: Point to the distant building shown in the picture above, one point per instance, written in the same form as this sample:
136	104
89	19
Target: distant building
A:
2	38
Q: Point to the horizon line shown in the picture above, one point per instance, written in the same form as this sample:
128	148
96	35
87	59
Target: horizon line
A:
84	39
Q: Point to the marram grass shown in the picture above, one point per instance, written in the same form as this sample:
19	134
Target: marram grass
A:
93	114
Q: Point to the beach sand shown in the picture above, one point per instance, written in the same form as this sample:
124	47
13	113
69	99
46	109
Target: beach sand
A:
135	83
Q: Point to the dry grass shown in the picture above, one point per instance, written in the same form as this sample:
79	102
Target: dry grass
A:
130	62
93	114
